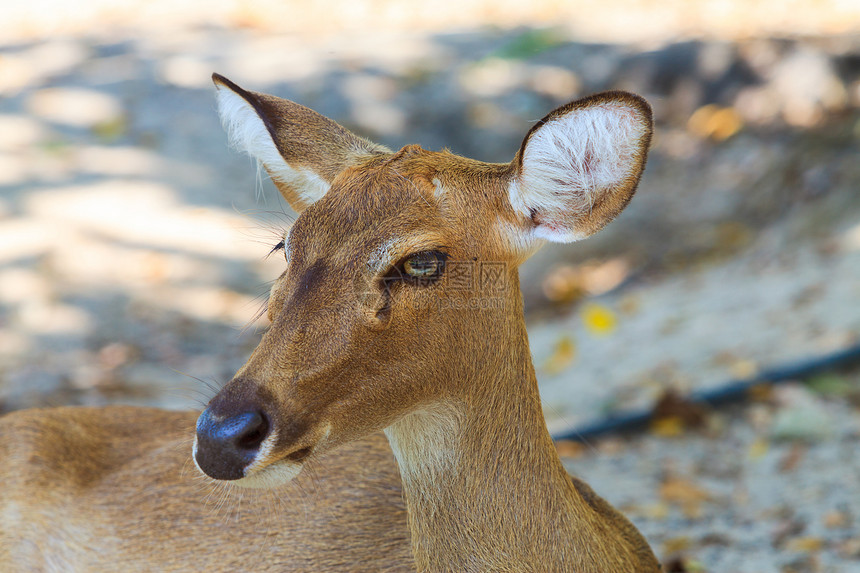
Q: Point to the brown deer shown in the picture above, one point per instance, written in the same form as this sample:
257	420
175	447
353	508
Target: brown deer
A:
390	419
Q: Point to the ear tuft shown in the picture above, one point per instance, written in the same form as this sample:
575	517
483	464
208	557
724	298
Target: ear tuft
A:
579	166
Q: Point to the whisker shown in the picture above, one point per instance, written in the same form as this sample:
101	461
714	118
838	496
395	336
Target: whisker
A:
260	313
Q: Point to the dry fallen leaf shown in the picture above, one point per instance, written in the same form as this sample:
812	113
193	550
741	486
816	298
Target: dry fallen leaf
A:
563	284
668	427
835	519
761	393
657	511
684	494
715	122
673	413
567	283
758	448
683	565
792	458
562	356
569	448
677	490
598	319
676	544
743	369
805	544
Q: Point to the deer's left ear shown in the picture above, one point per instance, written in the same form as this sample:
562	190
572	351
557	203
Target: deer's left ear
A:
579	166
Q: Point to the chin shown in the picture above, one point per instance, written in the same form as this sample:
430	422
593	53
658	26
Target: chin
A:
274	475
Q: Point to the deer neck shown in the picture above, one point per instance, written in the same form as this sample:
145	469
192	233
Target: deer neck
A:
483	483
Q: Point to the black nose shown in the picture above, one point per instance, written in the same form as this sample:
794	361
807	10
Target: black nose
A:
226	445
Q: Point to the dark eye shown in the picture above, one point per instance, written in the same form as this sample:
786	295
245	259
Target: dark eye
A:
421	268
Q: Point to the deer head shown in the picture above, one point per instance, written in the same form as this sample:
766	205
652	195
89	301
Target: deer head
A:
400	291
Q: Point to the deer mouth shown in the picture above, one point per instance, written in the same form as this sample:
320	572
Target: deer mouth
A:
265	472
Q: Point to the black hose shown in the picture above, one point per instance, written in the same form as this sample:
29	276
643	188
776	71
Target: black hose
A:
732	391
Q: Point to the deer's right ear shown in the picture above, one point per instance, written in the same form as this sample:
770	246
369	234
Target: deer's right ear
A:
301	150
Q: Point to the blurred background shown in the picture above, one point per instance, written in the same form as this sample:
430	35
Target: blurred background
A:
132	240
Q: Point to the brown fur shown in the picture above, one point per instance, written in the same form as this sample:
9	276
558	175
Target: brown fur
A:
451	383
114	489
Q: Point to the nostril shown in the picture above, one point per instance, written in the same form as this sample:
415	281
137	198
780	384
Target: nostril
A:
254	431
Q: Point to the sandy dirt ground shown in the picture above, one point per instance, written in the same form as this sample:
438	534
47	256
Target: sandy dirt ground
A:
132	240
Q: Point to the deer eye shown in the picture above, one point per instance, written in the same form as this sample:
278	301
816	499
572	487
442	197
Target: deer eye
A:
424	266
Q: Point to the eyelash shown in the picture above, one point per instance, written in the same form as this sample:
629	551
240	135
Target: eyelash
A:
279	247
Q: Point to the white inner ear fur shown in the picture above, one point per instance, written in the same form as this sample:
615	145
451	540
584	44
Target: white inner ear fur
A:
248	133
571	160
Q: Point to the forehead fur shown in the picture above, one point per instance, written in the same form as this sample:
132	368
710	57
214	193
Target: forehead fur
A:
377	192
412	192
